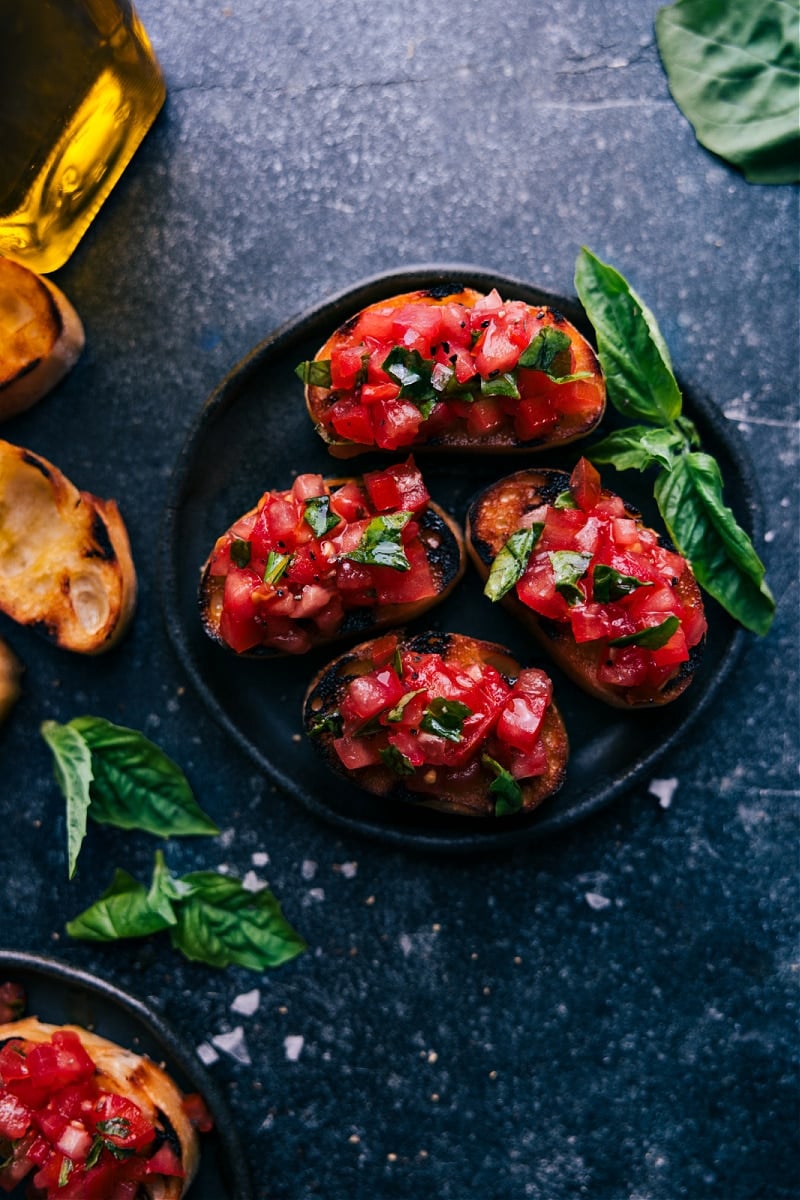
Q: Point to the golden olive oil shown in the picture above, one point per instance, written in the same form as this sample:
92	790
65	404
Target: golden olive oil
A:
79	88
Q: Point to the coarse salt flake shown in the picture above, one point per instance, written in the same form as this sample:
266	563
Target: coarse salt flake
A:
247	1003
206	1053
663	790
234	1044
260	858
293	1045
597	902
253	883
308	869
348	869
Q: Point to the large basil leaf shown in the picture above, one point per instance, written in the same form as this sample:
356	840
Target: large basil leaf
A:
637	447
724	561
221	923
631	349
73	772
136	786
123	911
734	71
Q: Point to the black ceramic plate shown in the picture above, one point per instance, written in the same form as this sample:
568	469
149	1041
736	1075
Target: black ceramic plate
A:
59	994
254	434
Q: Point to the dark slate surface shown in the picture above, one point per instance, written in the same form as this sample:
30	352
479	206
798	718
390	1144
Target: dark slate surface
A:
609	1014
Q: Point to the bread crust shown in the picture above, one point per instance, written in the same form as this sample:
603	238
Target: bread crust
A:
41	337
137	1078
493	517
326	690
66	567
10	675
319	399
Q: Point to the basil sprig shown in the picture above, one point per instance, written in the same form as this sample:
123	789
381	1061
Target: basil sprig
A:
317	513
609	585
210	918
509	565
381	543
445	718
688	487
118	777
569	566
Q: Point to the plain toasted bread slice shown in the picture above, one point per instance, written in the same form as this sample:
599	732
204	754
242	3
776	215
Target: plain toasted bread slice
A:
41	337
65	559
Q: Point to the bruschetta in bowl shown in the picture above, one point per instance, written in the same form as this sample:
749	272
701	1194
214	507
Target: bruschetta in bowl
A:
452	369
329	559
441	720
612	603
81	1118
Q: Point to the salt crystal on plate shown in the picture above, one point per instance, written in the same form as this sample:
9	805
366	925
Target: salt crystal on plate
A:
293	1045
260	858
308	869
247	1003
252	883
207	1054
597	902
663	790
348	869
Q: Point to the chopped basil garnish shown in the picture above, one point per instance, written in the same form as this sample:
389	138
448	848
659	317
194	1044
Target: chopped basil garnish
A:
66	1169
318	515
330	724
550	352
381	544
397	662
565	499
510	564
568	567
276	565
413	373
652	638
504	788
396	761
396	713
240	552
316	372
115	1127
501	385
608	584
445	718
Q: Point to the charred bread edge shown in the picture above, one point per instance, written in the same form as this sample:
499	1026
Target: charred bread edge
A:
41	375
341	449
326	687
448	560
553	636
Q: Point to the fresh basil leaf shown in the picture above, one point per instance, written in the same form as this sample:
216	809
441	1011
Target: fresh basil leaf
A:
115	1127
550	352
74	774
631	349
510	563
504	788
651	638
381	543
240	552
565	500
413	373
396	713
568	567
733	71
609	585
445	718
123	911
318	515
706	532
397	662
136	786
223	924
315	373
330	724
500	385
638	447
275	566
64	1171
396	761
165	890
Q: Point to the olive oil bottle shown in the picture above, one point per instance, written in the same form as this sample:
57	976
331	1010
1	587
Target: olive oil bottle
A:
79	88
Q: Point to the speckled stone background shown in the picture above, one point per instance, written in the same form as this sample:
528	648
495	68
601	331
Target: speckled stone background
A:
610	1014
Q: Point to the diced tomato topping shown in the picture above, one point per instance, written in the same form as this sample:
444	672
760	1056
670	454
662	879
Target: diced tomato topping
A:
534	418
15	1117
399	487
166	1162
585	485
395	423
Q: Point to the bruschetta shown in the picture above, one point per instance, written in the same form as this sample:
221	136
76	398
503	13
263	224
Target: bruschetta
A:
442	720
609	599
82	1117
452	369
10	673
326	559
41	337
65	559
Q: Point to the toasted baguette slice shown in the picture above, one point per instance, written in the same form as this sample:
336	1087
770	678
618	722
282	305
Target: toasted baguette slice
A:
41	337
10	672
443	545
65	560
466	789
137	1078
579	404
496	514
